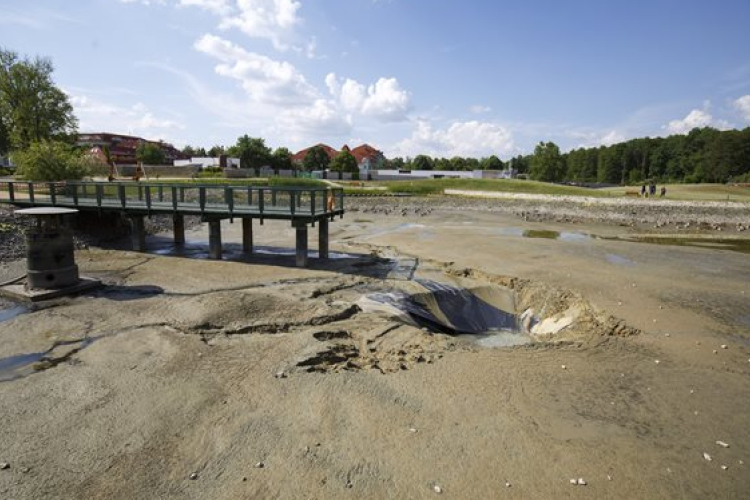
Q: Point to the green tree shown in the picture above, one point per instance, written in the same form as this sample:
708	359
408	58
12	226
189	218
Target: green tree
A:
397	163
216	151
422	162
344	162
51	161
188	150
149	153
491	163
32	108
546	164
282	159
252	152
316	159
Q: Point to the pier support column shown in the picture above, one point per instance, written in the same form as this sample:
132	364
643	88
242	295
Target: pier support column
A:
247	235
323	238
301	244
214	239
178	225
138	233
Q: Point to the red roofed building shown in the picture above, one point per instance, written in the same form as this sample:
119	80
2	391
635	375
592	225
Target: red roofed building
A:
368	158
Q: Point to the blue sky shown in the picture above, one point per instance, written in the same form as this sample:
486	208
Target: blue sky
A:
446	78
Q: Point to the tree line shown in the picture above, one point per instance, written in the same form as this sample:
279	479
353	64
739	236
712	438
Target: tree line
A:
703	155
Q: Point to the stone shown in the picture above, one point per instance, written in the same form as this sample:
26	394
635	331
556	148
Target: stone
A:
193	476
656	361
724	346
724	467
437	489
260	465
581	482
507	484
707	456
722	444
280	374
4	465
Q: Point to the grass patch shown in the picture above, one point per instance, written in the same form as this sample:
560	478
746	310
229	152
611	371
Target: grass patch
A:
437	186
697	192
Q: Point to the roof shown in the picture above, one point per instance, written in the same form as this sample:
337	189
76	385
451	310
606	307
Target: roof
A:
360	153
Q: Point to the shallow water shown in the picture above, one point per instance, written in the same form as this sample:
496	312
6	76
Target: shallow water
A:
23	365
619	260
12	312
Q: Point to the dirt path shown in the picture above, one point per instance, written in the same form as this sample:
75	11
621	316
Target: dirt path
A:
266	381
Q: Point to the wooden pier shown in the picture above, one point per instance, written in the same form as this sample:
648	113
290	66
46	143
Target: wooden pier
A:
302	206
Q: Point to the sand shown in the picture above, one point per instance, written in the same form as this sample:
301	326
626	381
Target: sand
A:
262	380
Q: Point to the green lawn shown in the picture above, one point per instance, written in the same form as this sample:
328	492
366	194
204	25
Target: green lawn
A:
699	192
437	186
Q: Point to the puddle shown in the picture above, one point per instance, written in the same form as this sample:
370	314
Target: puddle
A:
735	245
483	314
397	229
23	365
619	260
12	312
545	234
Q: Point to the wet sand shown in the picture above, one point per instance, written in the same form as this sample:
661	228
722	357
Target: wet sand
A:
267	381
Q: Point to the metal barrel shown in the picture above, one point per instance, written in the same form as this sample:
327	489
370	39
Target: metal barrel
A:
49	259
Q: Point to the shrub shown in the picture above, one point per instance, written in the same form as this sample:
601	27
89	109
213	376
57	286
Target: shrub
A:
51	161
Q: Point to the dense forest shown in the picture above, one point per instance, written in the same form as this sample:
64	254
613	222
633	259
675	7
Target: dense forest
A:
703	155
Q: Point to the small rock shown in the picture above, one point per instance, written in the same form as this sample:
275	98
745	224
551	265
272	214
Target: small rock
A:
715	351
437	489
666	335
193	476
412	429
656	361
722	444
581	482
707	456
574	481
4	465
609	478
280	374
260	465
507	484
563	367
349	484
244	479
25	470
724	467
724	346
692	391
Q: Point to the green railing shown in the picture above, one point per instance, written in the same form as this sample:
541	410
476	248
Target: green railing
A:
187	198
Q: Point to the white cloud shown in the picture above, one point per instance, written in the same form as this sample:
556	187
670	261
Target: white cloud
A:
220	7
99	116
479	109
696	118
743	106
268	19
384	100
265	79
471	139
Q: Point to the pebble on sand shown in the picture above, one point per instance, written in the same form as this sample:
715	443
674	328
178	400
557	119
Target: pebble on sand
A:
722	444
724	467
437	489
4	465
193	476
260	465
578	482
707	456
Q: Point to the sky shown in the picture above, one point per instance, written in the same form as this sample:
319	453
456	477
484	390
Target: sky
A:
439	77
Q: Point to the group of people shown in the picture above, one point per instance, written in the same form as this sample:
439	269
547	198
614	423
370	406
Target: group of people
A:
651	191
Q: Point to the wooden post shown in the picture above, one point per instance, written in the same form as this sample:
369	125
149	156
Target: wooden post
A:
178	224
323	238
214	239
247	234
301	254
138	234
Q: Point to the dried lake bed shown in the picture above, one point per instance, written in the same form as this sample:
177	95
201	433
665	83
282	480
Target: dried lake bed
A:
461	344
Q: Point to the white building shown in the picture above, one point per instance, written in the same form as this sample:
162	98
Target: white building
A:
206	161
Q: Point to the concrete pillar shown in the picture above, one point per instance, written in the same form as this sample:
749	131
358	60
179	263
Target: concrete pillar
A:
323	238
214	239
247	235
178	225
138	233
301	244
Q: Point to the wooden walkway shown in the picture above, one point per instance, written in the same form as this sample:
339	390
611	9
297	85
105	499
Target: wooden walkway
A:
302	206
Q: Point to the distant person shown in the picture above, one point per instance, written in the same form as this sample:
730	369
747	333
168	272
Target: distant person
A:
663	192
643	191
652	190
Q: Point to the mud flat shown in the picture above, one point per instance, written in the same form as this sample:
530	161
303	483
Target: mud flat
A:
477	351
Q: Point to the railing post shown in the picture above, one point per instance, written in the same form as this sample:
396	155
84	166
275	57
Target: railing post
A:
202	198
11	191
75	193
31	192
161	192
261	198
148	197
292	202
249	196
341	203
273	198
121	192
174	198
99	188
140	192
52	193
312	203
182	194
229	199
